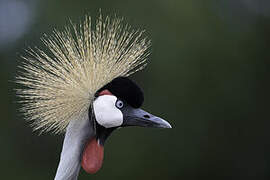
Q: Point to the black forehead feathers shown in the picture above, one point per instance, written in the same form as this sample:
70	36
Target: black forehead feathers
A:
125	89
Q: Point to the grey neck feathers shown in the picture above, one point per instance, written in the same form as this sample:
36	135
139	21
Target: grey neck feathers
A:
78	131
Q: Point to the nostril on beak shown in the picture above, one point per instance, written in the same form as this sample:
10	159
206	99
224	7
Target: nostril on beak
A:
146	116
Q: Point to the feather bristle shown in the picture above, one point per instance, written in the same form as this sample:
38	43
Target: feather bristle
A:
59	85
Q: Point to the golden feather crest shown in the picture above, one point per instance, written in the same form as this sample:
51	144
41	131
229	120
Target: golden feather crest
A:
59	85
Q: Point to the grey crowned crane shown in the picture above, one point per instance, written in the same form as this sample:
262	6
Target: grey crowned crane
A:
80	87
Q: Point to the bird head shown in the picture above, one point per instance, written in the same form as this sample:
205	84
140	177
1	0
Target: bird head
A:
116	105
79	86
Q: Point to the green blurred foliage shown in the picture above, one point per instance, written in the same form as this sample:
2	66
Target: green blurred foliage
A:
208	75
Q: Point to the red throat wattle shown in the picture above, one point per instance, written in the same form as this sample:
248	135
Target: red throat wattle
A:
92	156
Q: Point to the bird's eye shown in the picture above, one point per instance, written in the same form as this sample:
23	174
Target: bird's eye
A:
119	104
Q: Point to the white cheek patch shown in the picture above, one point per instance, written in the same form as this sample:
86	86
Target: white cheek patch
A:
106	113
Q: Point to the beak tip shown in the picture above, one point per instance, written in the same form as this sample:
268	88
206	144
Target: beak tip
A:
166	124
169	126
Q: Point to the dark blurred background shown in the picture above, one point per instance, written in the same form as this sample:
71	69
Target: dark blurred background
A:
208	75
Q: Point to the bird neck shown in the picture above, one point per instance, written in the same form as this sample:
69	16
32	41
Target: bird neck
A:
78	131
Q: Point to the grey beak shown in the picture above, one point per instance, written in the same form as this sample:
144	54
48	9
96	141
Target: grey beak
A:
139	117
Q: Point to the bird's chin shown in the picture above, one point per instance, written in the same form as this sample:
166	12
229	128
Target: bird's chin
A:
92	156
93	153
